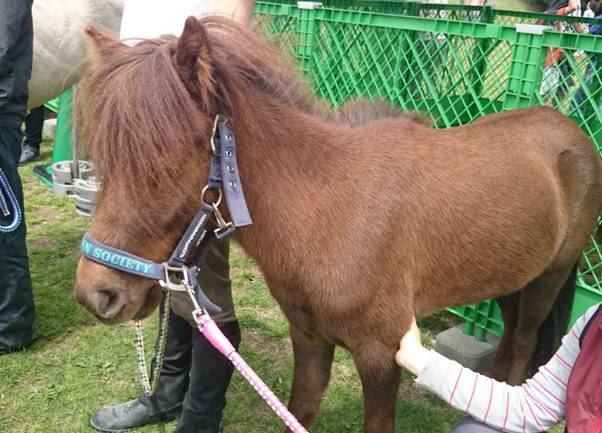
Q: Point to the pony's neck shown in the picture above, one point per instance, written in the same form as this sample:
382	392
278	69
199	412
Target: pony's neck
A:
286	159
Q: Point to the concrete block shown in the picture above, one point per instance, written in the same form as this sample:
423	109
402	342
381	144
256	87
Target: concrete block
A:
467	350
49	129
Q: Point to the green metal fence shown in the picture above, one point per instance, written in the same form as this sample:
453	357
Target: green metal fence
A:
455	69
482	14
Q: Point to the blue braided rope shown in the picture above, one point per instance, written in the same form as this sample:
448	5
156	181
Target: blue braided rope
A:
7	192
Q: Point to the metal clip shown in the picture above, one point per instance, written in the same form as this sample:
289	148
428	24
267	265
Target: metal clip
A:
197	317
214	132
182	285
224	229
198	310
224	233
221	222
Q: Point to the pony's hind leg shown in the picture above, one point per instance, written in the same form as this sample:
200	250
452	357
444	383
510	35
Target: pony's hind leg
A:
313	361
536	302
500	367
380	382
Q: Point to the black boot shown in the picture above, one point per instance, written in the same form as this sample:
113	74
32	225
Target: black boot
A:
34	123
29	154
209	379
166	403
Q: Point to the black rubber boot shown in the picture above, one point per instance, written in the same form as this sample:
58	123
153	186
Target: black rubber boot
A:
166	403
34	123
209	379
29	154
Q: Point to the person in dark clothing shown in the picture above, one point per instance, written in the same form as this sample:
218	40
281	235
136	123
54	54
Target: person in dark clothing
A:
16	299
562	7
34	123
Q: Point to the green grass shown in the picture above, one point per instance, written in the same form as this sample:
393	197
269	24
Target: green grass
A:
76	365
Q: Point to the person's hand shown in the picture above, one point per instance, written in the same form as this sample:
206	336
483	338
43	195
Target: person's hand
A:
412	355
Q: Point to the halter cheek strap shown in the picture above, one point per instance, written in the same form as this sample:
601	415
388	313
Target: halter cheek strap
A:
224	143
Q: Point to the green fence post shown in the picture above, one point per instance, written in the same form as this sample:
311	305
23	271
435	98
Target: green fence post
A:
487	15
526	68
414	9
469	328
481	51
402	73
596	89
61	149
306	34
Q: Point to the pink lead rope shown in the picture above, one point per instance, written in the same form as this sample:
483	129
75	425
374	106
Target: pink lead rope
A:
215	336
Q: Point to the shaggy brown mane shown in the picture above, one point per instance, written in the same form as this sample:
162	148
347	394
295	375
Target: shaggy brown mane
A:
140	116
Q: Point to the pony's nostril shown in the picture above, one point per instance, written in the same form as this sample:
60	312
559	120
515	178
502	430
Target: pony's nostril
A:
109	303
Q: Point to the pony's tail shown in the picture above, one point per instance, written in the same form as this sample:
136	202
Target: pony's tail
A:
555	326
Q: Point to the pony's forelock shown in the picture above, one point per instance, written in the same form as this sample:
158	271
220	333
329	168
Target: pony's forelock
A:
140	123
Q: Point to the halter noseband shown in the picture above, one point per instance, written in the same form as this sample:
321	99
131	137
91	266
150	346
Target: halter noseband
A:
179	273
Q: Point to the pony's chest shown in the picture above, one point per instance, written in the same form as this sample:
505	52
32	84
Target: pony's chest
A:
313	323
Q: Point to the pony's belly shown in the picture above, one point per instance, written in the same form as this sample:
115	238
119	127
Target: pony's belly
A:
443	294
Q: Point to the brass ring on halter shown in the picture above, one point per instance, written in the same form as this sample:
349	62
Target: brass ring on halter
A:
219	197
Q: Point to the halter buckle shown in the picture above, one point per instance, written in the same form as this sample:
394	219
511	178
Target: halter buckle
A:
214	132
180	273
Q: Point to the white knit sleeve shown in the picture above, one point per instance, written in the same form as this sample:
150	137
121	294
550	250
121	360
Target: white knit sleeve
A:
535	406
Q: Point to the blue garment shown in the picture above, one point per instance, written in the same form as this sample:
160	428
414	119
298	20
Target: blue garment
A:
595	29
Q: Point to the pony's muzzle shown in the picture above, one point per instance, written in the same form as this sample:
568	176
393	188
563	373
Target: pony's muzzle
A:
106	304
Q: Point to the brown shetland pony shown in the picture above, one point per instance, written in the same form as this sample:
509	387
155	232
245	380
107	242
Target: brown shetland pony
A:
356	229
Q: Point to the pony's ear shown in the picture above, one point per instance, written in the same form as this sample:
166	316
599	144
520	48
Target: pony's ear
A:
193	58
103	45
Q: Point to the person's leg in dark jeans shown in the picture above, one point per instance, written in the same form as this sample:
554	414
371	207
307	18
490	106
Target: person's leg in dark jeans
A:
34	123
16	299
193	383
210	376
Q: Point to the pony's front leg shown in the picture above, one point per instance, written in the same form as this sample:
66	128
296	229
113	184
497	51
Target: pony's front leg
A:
380	380
313	361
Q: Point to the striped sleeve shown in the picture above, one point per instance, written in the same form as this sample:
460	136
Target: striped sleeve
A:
535	406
